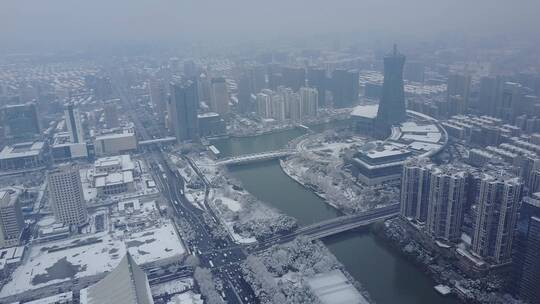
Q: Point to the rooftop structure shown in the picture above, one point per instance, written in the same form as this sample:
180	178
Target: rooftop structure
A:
126	284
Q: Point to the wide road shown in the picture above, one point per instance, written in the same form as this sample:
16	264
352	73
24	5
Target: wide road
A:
219	253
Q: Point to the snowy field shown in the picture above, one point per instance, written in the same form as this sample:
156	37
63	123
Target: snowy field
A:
57	262
333	288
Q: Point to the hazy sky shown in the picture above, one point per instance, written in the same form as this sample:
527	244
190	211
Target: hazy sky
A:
76	21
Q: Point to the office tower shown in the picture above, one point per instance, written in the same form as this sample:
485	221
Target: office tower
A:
414	71
309	101
496	217
74	124
11	218
158	98
126	284
219	96
203	88
294	77
317	79
20	121
489	95
345	86
66	195
513	101
415	185
111	115
275	80
529	283
446	200
183	105
392	104
459	85
245	87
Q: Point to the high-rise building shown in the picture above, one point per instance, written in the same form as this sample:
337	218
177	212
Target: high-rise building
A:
245	87
512	103
219	96
414	71
258	78
73	121
158	97
190	69
294	77
490	93
529	283
345	87
317	79
392	104
126	284
66	195
309	101
20	121
183	105
496	216
459	85
446	201
415	185
11	218
111	115
277	107
264	99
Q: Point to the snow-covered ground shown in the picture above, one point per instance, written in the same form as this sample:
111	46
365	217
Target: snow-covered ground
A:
333	288
172	287
56	262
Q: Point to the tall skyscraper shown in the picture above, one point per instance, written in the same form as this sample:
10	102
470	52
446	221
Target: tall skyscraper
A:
446	200
513	101
345	86
20	121
459	85
392	104
245	87
415	185
496	217
317	79
219	96
11	218
74	124
126	284
66	195
183	105
158	97
529	284
489	96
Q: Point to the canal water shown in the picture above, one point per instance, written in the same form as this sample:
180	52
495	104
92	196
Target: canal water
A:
383	272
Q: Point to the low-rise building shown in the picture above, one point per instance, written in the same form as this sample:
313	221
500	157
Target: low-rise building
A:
380	162
23	155
116	143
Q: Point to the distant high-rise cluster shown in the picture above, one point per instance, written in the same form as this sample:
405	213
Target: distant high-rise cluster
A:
287	104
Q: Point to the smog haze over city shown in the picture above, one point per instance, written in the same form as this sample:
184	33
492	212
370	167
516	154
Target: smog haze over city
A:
259	152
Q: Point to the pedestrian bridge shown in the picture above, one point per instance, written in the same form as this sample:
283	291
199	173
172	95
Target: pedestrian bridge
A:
250	158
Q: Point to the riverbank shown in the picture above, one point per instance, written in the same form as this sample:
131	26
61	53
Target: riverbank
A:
383	272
